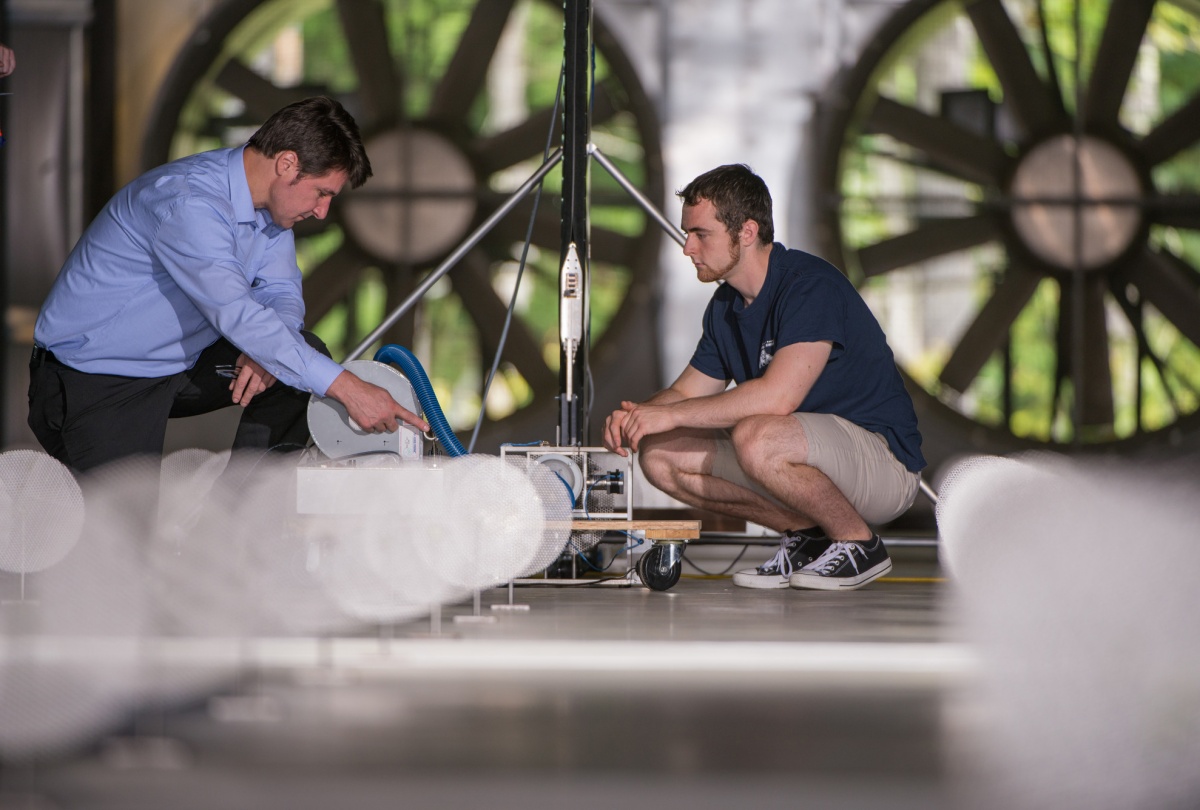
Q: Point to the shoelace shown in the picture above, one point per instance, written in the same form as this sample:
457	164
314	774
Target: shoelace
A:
832	558
782	561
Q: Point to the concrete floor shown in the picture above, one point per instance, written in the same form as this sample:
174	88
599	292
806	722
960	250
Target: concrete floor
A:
706	695
1045	677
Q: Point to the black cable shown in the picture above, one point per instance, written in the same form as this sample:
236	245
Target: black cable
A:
589	382
616	555
512	303
723	573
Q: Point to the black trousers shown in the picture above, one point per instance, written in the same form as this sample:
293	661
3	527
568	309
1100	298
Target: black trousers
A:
87	420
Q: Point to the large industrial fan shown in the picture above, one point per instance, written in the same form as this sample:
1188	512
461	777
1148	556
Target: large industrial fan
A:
1014	186
456	100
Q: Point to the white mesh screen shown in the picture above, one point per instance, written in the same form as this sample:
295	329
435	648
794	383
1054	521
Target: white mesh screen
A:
489	527
556	517
41	511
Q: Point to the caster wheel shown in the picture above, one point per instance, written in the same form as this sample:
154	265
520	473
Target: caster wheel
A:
640	567
650	569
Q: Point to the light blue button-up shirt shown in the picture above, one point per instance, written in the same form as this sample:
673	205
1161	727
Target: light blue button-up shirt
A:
177	259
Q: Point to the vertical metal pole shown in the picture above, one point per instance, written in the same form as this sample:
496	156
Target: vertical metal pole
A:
7	197
577	53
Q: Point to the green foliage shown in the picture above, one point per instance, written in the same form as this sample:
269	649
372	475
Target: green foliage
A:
886	189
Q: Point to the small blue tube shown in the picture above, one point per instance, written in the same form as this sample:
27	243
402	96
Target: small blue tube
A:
411	367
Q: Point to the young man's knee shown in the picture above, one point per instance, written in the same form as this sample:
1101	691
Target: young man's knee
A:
750	438
655	459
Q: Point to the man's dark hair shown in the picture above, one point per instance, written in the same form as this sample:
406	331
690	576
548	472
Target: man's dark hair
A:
738	194
321	133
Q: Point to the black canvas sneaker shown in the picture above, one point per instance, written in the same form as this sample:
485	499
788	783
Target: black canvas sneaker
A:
844	567
796	550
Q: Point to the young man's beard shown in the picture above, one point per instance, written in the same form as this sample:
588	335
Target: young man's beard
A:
717	273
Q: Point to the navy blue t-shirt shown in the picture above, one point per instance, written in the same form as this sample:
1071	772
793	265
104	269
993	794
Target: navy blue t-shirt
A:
805	299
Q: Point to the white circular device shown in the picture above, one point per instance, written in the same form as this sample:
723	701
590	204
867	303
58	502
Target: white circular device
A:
338	437
567	470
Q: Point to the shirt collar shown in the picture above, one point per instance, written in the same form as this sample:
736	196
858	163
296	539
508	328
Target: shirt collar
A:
243	204
239	187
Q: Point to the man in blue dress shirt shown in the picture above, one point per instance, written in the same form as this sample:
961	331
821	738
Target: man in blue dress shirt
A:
190	267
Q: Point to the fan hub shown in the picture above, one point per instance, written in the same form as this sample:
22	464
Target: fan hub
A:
421	200
1076	202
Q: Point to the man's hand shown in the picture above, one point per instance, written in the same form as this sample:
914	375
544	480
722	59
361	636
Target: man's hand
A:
370	406
8	61
613	433
643	419
627	426
252	380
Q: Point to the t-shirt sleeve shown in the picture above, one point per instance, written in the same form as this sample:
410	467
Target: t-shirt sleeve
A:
811	311
707	357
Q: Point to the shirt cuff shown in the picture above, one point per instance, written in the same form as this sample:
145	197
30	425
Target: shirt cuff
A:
322	373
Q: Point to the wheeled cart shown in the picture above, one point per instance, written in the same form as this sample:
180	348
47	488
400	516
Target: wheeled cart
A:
660	566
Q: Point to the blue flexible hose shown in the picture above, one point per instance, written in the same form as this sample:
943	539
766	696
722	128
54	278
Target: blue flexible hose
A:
411	367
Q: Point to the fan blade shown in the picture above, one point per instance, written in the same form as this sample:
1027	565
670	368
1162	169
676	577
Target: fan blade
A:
546	229
933	238
1120	291
607	245
611	246
1171	285
365	26
1096	399
604	104
1176	211
1035	106
990	329
523	141
399	282
473	283
528	139
463	80
1123	33
258	94
955	149
1172	136
329	282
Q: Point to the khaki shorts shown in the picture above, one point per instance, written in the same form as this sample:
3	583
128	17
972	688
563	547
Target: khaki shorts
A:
859	463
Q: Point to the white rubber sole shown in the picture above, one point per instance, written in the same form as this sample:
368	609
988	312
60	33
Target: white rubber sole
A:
808	580
750	578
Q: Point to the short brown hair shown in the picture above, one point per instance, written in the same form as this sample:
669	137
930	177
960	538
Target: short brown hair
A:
738	194
323	136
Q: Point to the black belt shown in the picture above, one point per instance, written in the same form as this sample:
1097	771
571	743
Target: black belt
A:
40	355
